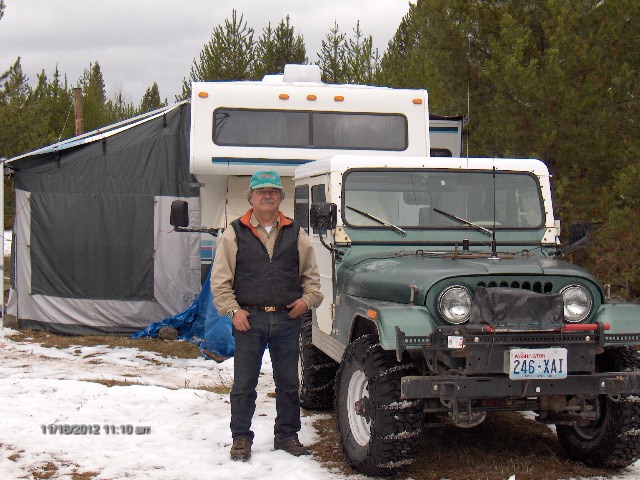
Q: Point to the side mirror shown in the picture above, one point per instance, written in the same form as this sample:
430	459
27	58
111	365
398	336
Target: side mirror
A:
323	216
179	214
580	231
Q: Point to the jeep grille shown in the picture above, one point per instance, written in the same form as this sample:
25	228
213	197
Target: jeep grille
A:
525	284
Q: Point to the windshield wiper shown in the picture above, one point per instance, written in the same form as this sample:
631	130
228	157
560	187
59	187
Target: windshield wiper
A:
466	222
379	220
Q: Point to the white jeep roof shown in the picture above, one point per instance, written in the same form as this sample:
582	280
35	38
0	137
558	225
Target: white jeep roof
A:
341	163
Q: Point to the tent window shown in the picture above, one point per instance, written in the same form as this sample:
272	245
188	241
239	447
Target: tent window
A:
112	247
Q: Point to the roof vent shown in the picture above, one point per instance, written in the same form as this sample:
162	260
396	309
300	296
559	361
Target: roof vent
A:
302	73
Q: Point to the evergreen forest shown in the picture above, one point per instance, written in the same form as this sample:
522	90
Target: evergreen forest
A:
550	79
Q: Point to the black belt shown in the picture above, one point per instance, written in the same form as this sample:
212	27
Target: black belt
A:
268	309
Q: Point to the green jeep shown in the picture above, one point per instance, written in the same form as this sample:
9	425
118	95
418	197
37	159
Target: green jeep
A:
446	298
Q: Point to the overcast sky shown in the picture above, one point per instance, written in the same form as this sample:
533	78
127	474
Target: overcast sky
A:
138	42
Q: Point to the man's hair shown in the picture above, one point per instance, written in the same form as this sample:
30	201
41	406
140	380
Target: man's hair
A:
282	194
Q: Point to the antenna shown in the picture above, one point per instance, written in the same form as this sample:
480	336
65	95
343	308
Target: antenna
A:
468	91
494	252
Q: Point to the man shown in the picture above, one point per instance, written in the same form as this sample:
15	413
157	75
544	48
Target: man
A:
265	277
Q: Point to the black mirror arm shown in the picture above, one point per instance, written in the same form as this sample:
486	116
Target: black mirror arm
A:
210	231
324	244
583	242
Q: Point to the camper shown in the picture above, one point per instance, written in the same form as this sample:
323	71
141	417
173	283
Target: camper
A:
287	120
93	247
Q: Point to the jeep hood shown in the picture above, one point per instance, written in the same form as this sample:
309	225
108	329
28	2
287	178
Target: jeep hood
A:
388	278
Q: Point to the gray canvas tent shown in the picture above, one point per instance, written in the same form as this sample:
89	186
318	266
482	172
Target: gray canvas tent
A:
93	251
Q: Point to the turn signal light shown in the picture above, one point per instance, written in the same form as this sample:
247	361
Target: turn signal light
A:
312	98
203	94
417	101
283	96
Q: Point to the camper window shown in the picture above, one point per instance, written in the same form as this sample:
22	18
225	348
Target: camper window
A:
304	129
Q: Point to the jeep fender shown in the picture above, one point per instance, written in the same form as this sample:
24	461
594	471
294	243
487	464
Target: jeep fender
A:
413	319
623	318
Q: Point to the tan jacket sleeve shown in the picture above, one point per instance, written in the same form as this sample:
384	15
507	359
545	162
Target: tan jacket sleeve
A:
223	272
309	272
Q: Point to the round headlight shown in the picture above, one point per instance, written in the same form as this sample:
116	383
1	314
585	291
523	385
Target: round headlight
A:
577	303
454	304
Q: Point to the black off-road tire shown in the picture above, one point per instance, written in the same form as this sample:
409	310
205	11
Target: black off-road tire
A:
384	439
611	441
317	372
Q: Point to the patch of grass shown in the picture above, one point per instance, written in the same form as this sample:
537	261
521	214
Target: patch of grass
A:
504	445
165	348
152	360
48	470
117	383
219	389
84	475
14	457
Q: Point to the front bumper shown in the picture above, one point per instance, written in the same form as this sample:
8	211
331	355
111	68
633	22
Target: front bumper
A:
451	387
478	363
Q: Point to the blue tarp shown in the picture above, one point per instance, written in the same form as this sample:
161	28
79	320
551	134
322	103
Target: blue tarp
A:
200	323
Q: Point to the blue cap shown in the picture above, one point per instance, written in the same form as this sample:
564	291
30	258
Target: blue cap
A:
265	179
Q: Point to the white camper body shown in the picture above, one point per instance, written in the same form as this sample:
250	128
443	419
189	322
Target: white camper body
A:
284	121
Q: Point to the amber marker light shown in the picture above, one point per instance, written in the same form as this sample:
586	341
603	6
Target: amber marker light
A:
203	94
283	96
372	314
312	98
339	98
417	101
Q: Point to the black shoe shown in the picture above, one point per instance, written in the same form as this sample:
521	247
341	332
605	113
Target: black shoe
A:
291	445
241	449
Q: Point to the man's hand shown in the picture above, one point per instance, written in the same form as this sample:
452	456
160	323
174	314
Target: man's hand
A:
298	307
241	320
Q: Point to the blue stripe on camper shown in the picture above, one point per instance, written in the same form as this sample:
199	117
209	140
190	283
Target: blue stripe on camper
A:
443	129
206	249
258	161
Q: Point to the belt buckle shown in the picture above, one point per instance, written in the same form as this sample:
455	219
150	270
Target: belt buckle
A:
270	309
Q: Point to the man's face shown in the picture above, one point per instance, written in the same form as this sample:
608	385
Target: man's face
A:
265	200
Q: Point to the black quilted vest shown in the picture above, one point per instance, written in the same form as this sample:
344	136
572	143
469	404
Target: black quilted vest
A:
260	282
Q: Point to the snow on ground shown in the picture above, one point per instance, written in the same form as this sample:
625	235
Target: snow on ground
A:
189	434
178	431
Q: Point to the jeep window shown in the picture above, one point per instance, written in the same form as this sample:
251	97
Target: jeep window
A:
407	198
318	195
301	206
305	129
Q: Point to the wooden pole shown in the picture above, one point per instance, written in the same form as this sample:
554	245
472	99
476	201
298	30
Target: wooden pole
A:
77	109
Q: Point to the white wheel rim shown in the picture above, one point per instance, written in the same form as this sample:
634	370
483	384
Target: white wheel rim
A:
360	425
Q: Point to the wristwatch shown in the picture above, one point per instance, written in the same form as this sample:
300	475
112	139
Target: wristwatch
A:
232	312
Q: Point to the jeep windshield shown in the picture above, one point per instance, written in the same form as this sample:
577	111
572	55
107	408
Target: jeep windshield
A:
412	199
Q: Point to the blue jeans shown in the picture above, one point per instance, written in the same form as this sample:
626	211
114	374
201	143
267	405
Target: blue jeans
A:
281	333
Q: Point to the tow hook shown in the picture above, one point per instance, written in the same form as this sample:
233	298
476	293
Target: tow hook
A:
363	407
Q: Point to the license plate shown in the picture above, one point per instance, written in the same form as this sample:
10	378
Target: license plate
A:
525	363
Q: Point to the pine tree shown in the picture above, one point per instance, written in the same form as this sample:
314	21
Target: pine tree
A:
94	98
19	127
276	48
227	56
363	62
332	58
548	79
118	106
151	99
